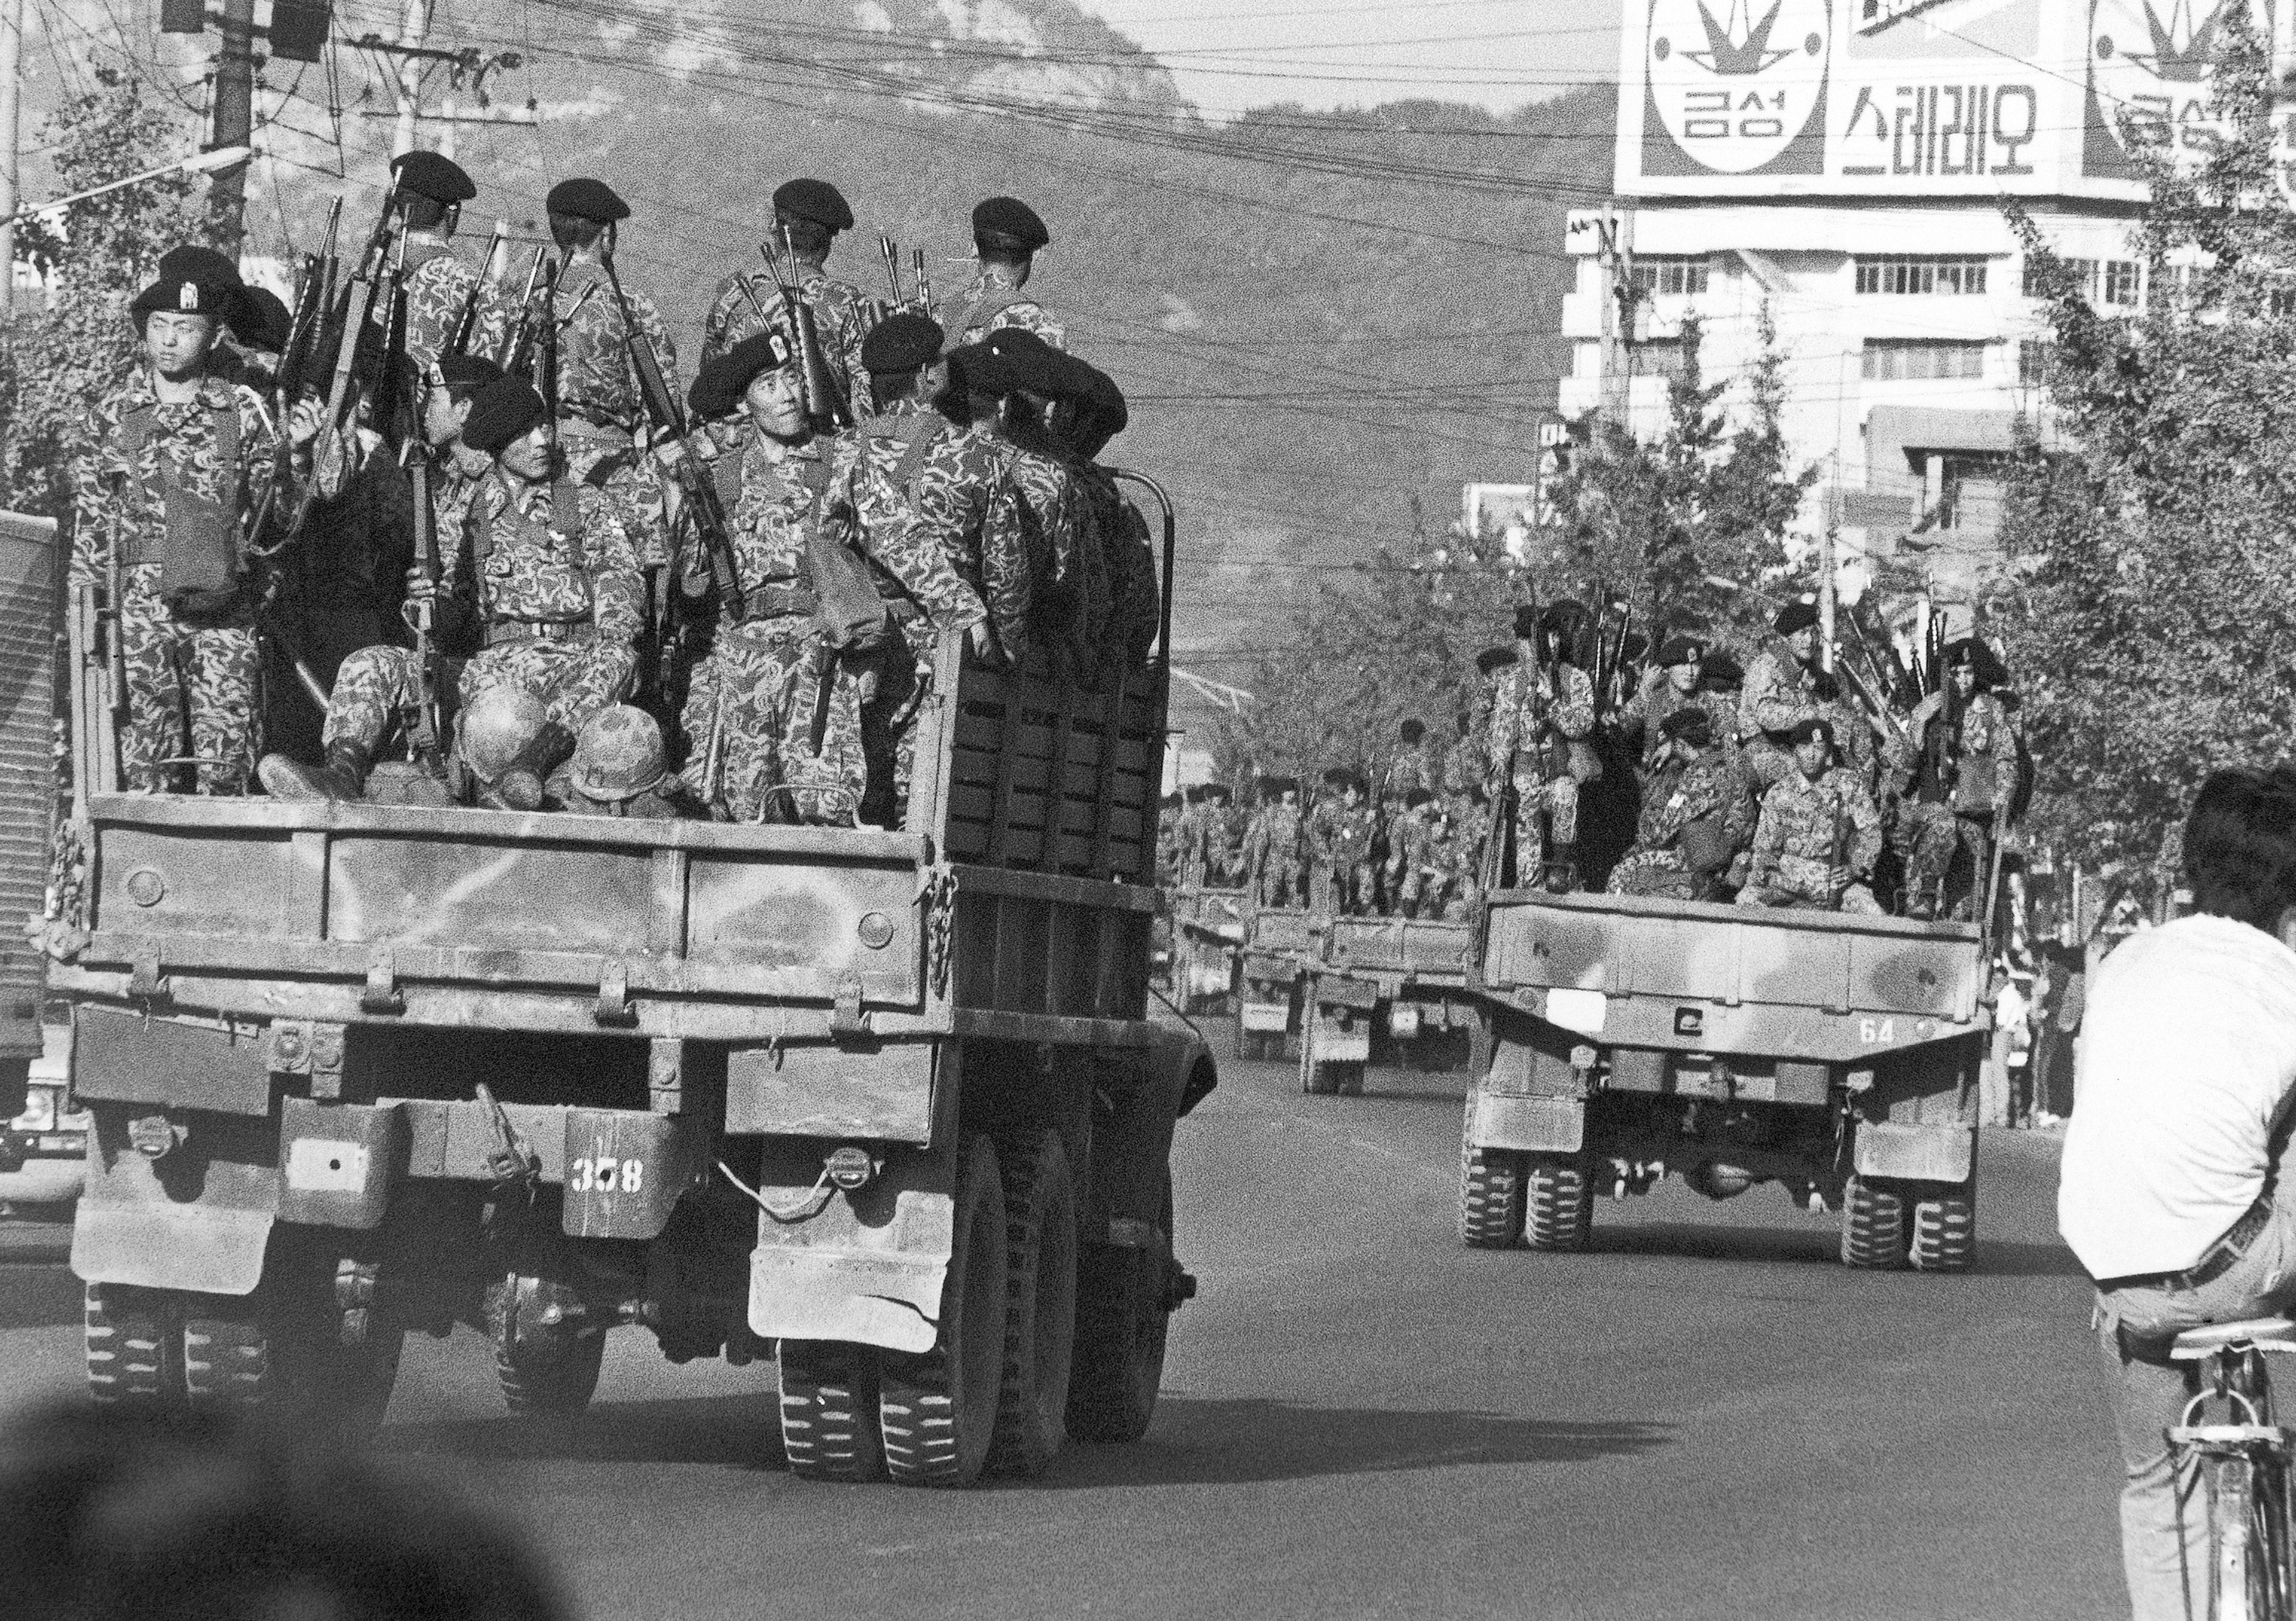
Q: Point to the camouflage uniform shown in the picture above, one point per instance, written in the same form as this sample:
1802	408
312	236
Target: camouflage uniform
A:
1679	795
1536	715
840	316
1069	581
1136	600
872	472
551	583
1815	846
439	286
600	410
989	303
1952	790
1641	717
961	502
1418	869
191	684
1777	698
1340	839
1275	867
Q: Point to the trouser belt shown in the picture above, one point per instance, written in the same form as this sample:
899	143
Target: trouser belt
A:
2214	1261
504	631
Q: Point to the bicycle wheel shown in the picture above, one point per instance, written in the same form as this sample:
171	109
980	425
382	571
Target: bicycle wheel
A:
2269	1534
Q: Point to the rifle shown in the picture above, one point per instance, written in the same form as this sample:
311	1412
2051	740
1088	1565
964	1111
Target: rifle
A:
925	285
824	400
424	736
892	257
516	356
545	366
315	295
1871	702
667	414
1888	666
466	319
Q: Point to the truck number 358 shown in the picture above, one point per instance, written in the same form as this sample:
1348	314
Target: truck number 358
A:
1872	1030
606	1175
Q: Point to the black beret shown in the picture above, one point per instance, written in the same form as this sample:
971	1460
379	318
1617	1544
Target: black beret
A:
814	200
503	411
1498	658
1193	794
1563	614
1009	216
465	374
1691	722
1416	797
194	262
1722	672
1338	776
1681	650
725	378
1104	413
261	319
904	342
1978	655
439	178
186	296
1412	730
587	200
1526	619
1217	791
1808	730
1036	366
982	369
1272	788
1800	614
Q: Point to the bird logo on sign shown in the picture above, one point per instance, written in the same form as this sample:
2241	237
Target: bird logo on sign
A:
1735	82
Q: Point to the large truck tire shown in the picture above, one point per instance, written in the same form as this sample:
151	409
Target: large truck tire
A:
1124	1317
1040	1269
829	1411
132	1344
1558	1202
312	1337
937	1408
545	1369
1873	1226
1490	1197
1943	1237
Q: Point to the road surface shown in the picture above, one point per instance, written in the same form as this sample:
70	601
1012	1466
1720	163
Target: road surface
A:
1705	1417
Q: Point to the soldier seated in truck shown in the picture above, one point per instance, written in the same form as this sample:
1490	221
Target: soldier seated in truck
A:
1819	833
1697	817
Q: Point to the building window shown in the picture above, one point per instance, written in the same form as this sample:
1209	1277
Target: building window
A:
1658	357
2115	281
1920	276
1669	273
1921	360
2033	361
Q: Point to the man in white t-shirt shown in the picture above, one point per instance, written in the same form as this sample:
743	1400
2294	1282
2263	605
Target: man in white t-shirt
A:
2186	1065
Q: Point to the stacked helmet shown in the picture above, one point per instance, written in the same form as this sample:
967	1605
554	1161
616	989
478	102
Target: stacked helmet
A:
496	727
618	755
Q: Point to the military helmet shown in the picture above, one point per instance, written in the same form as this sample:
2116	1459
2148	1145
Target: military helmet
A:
496	725
618	755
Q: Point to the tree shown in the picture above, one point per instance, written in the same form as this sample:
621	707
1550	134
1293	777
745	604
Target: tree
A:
2148	609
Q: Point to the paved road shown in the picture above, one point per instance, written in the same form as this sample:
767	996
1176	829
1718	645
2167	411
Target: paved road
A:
1706	1417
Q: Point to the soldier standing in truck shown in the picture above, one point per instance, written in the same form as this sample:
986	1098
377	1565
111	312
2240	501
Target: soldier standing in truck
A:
1959	766
807	217
1779	692
1007	236
1542	709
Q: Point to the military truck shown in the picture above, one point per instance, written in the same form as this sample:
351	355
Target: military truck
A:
885	1104
1271	961
1383	990
1633	1039
1206	927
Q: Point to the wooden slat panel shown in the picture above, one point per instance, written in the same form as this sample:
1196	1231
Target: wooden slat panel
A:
979	770
968	839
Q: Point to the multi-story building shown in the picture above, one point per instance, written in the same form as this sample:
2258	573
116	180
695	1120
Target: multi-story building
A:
1843	165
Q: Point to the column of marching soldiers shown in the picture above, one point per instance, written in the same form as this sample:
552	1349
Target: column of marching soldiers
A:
490	512
1586	757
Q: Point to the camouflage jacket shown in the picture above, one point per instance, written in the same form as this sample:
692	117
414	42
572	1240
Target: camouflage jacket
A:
959	502
869	487
1976	768
1681	793
1777	695
1136	600
1068	589
1528	704
988	304
116	481
545	552
1273	834
1413	847
439	285
1641	717
1813	834
840	316
776	500
595	380
1342	835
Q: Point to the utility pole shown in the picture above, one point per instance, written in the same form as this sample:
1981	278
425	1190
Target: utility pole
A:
406	64
1619	304
11	50
234	117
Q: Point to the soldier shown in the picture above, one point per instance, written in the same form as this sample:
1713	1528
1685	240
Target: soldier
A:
1696	817
1007	236
429	192
1413	764
1068	564
377	687
1959	767
1670	683
961	505
1852	725
1340	831
600	411
1819	835
808	216
1136	600
1778	695
178	459
1275	867
1416	871
1542	711
874	485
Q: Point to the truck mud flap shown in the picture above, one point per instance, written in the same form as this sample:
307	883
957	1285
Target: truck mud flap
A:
1943	1152
198	1218
1537	1126
865	1266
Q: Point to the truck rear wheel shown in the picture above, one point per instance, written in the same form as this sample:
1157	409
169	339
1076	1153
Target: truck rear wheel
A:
311	1336
829	1411
937	1408
132	1344
1490	1197
1944	1235
1124	1318
547	1369
1873	1226
1558	1202
1040	1265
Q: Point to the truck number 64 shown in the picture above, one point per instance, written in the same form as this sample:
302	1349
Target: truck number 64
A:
605	1174
1872	1030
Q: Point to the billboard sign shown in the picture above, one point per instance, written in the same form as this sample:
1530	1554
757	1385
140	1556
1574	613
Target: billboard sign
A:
1910	98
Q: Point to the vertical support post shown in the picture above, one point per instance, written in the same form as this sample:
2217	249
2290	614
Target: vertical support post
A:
1617	315
12	51
1828	594
234	118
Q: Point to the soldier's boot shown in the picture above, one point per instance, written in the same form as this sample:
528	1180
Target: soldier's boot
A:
341	781
1562	869
520	786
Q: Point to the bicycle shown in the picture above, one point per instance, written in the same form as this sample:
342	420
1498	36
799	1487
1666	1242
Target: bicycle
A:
2245	1463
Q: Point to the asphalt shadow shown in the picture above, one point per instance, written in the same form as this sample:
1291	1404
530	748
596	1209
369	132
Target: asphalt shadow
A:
38	1297
743	1429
